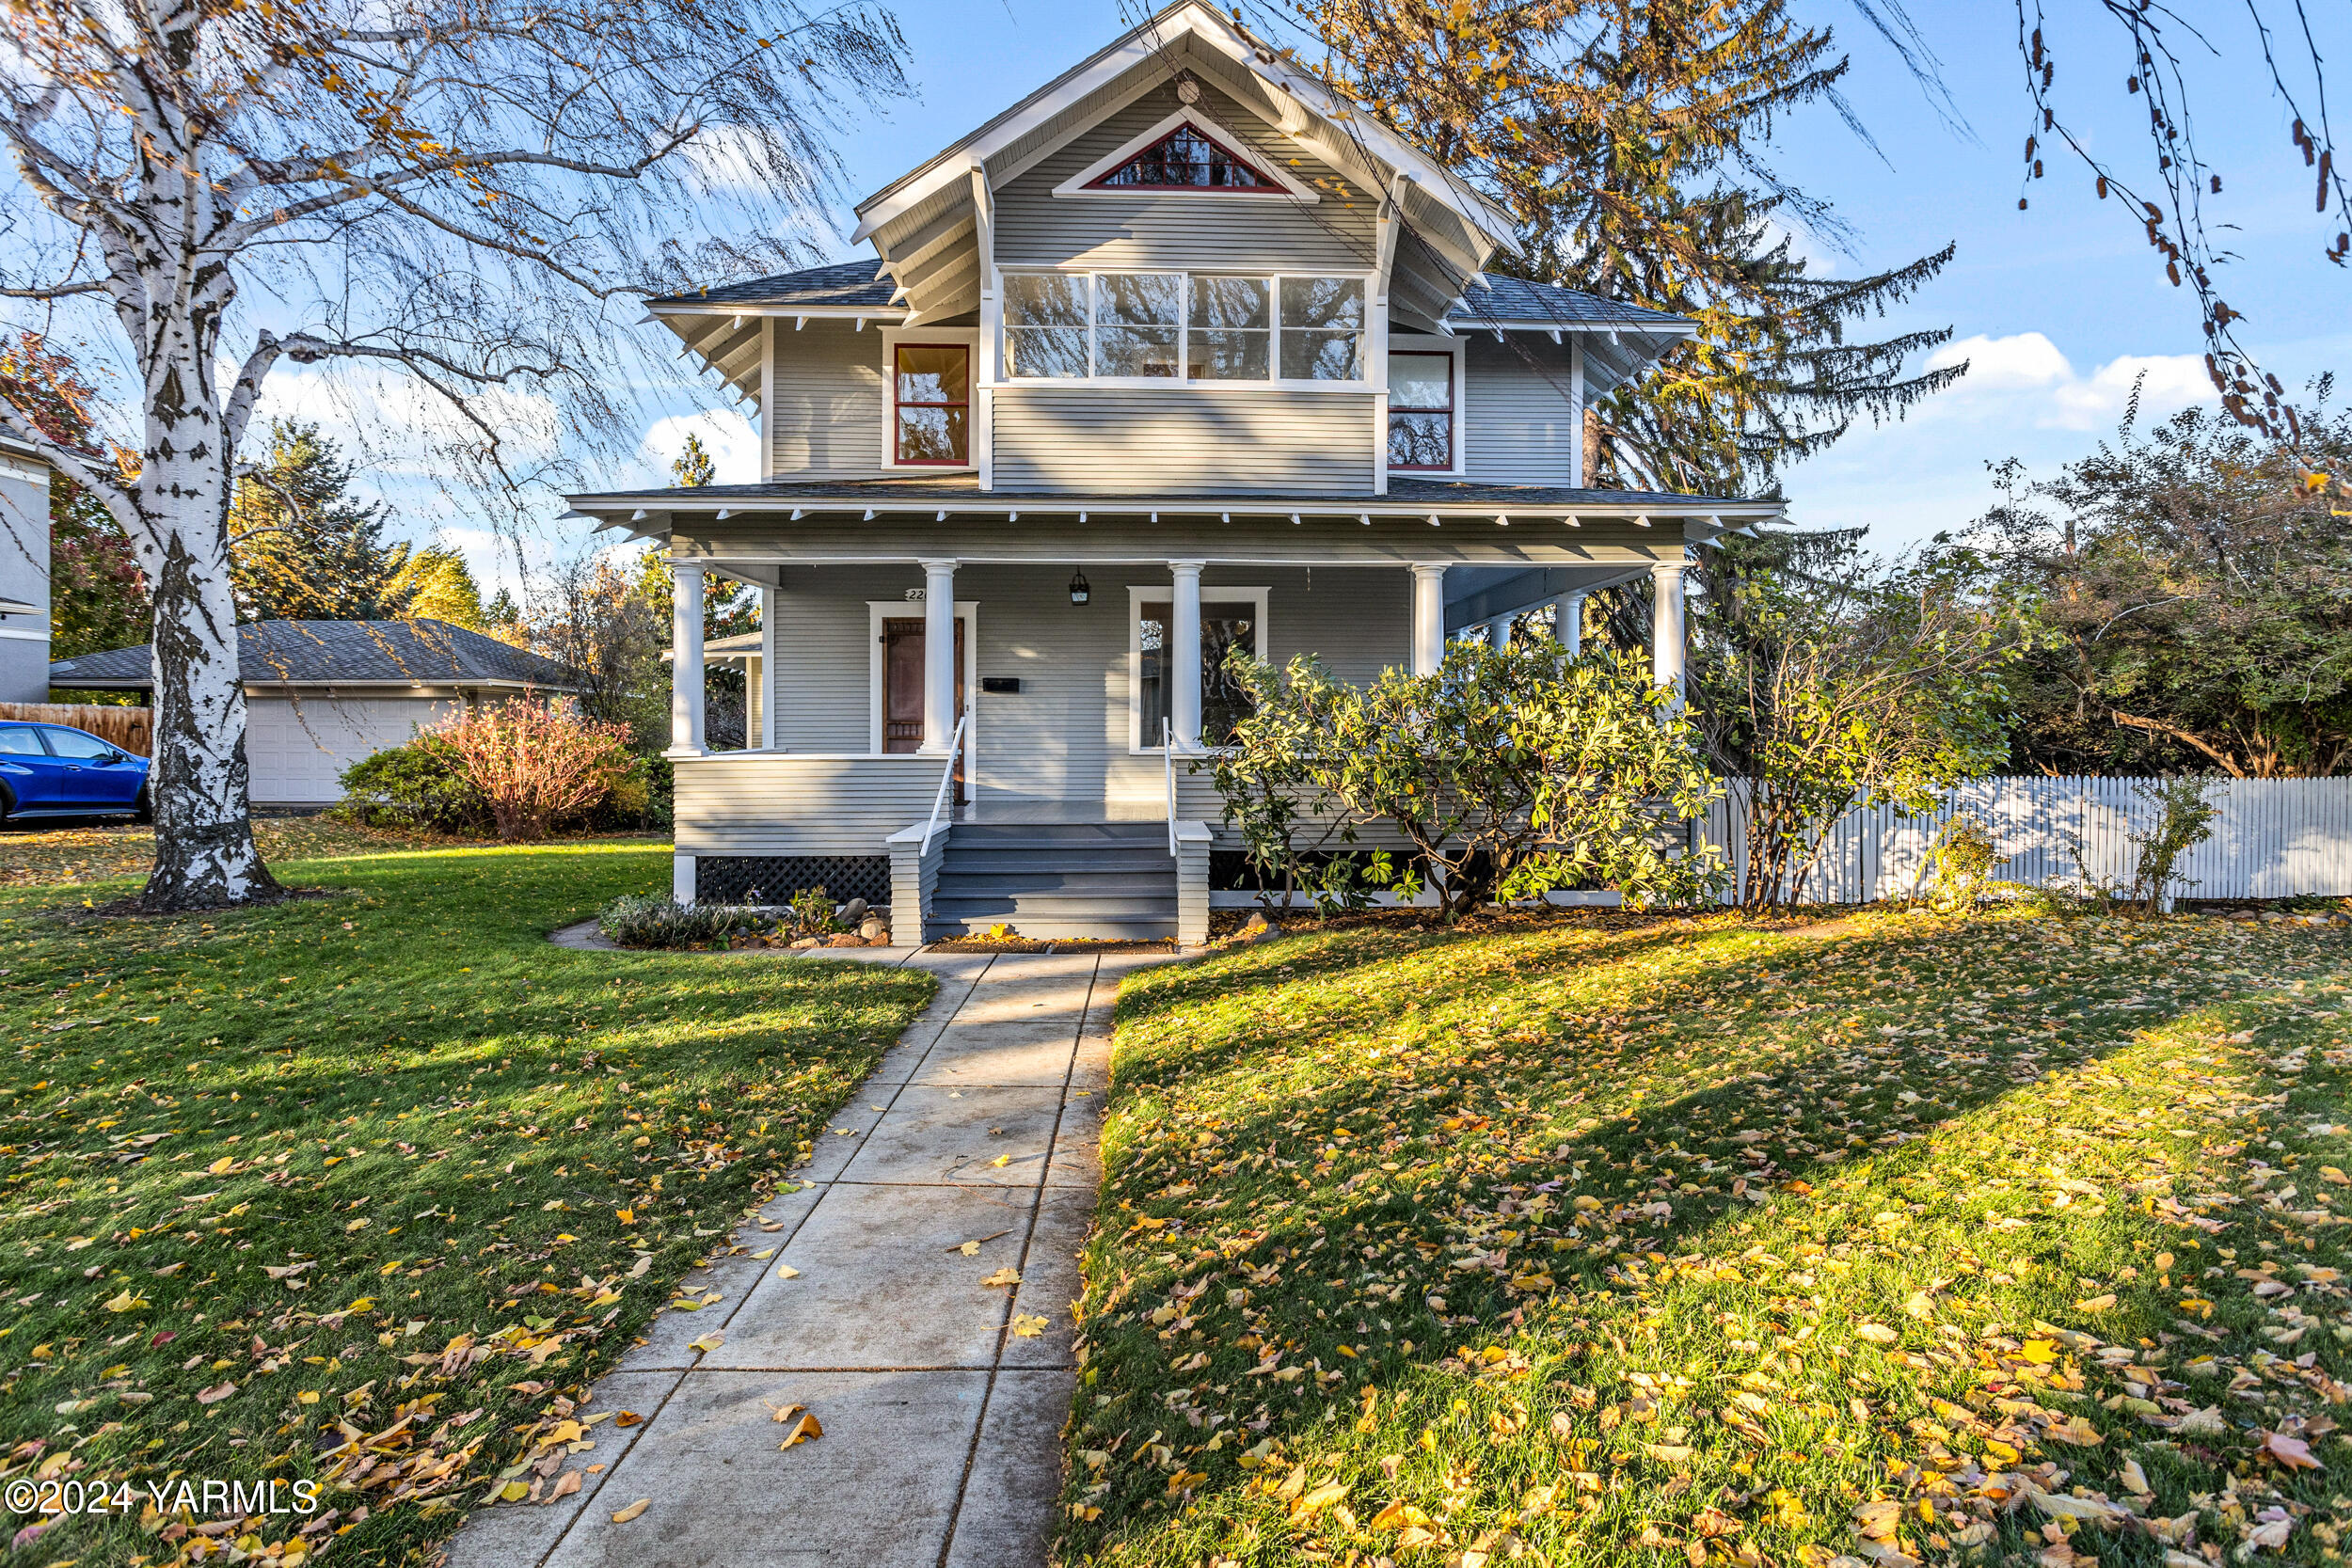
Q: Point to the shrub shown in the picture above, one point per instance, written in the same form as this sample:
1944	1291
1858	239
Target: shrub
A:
1960	866
536	761
420	787
660	922
1509	774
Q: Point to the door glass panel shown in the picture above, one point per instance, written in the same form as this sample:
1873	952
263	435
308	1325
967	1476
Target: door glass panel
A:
78	744
19	740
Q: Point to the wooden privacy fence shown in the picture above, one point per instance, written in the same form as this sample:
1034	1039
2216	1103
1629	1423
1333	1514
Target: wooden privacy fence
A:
130	728
2274	838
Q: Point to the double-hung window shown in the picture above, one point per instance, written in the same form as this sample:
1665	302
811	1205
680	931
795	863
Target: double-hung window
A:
1420	410
932	388
1183	327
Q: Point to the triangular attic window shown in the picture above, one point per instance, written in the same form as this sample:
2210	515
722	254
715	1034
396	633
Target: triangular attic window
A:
1184	159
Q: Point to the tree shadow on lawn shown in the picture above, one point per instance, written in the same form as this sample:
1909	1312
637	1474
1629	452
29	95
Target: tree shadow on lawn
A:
1831	1113
362	1091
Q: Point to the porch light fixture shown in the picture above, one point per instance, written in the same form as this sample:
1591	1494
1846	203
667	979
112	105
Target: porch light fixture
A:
1079	591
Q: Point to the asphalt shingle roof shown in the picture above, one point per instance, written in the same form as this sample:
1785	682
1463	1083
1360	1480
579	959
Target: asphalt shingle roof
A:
331	652
1516	299
1507	300
842	283
944	490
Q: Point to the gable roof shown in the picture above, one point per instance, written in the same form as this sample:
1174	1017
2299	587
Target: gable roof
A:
343	653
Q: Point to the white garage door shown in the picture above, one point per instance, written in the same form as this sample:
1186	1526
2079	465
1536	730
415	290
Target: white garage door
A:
299	748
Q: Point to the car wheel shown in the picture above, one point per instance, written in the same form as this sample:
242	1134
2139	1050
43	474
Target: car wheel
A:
7	803
142	809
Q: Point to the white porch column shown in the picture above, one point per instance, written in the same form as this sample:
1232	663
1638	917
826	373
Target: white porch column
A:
1666	636
1499	633
1181	658
1428	617
686	655
939	654
771	736
1567	620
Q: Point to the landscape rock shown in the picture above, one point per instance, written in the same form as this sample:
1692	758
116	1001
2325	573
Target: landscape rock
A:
874	932
853	914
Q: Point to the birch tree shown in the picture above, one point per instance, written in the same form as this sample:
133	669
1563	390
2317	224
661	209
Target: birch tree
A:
462	199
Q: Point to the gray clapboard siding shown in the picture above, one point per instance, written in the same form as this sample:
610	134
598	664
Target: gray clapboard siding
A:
1110	440
1519	424
829	403
763	803
1035	228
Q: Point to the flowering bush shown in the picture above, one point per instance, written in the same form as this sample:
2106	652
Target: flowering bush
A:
651	921
536	761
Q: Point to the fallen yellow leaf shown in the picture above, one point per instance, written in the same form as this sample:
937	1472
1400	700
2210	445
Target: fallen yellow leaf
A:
1003	1276
708	1343
802	1430
1028	1325
632	1510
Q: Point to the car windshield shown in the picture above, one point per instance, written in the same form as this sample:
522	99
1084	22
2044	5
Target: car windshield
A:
78	744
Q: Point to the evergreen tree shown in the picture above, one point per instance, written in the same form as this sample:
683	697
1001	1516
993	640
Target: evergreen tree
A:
436	584
97	593
1628	139
301	547
692	466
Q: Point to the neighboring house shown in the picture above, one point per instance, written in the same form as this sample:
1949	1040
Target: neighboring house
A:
1172	356
23	573
321	695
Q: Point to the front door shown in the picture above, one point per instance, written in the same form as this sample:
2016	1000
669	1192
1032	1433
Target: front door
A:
902	691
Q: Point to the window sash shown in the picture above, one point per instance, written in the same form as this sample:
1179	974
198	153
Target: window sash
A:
1078	327
1225	625
943	422
1421	430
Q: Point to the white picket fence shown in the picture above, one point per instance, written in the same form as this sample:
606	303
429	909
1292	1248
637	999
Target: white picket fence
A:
2275	838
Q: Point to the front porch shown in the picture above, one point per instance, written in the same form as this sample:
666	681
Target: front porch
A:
906	706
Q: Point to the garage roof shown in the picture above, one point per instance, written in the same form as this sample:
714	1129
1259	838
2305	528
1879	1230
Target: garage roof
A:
343	653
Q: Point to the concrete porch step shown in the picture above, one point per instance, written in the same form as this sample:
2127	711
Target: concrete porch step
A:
1063	930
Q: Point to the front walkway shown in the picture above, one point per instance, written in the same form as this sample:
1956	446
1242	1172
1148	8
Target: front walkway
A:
942	1421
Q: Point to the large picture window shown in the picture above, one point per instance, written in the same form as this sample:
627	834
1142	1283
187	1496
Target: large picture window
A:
1167	326
932	392
1420	410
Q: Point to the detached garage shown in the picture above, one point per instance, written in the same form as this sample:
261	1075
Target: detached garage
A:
321	695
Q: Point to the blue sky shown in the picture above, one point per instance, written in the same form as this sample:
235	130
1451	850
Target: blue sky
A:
2057	307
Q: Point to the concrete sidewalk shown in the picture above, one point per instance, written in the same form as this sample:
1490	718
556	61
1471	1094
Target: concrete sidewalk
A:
941	1446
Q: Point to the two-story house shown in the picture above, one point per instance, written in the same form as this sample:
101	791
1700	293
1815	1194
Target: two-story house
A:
1178	353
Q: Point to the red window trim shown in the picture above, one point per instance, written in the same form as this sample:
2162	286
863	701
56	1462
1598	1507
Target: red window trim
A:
963	403
1267	184
1453	399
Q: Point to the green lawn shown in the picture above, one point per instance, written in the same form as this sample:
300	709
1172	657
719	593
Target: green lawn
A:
1658	1241
358	1189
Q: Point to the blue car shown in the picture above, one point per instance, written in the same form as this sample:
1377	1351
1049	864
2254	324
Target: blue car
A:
49	770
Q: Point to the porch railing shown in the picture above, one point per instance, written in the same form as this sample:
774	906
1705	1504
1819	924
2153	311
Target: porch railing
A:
947	778
1168	749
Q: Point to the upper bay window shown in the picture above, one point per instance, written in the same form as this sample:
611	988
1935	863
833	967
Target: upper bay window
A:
1184	327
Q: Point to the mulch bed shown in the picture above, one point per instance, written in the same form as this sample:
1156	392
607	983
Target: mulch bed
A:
1055	944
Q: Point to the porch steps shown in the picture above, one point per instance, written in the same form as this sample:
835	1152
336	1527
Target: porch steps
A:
1057	879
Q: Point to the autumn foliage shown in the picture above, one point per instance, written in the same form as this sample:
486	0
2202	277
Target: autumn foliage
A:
534	761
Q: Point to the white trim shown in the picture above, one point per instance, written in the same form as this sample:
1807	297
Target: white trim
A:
1211	592
1290	186
1421	342
969	337
34	637
1272	280
1576	415
1149	45
968	612
767	401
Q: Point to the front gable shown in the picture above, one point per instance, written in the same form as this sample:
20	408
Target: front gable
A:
1318	219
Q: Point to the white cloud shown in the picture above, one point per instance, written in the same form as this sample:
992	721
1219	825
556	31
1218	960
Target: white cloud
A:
2025	379
726	435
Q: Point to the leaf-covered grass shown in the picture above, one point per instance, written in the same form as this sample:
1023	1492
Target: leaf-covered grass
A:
46	854
363	1188
1656	1241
